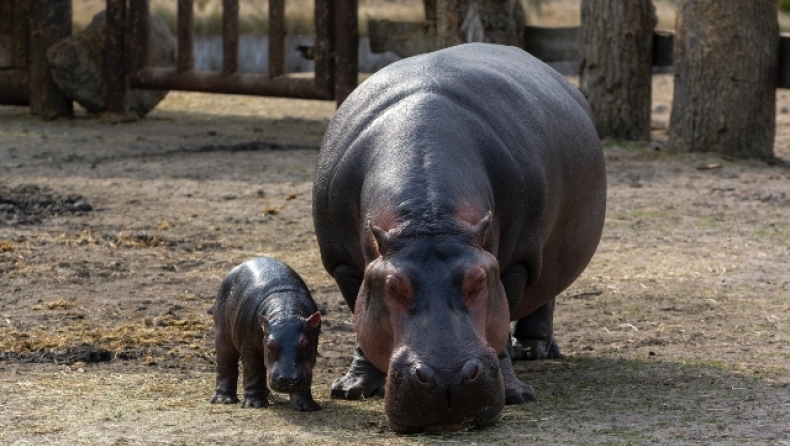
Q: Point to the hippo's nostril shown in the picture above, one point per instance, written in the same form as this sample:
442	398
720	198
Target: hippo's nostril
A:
471	370
424	374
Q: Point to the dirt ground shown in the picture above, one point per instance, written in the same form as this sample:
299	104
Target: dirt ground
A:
114	239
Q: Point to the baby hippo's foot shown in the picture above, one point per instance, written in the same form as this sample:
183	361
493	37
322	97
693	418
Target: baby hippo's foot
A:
304	402
363	380
220	398
254	401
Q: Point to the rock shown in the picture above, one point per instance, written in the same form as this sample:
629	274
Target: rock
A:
77	65
82	206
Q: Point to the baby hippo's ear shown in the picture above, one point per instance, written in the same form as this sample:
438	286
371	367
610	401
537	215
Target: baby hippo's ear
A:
264	323
314	322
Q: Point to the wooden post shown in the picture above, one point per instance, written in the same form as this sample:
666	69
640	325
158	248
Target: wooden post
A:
346	48
115	61
616	70
726	65
50	22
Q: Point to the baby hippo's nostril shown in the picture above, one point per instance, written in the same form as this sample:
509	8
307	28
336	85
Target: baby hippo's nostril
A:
286	381
471	370
424	374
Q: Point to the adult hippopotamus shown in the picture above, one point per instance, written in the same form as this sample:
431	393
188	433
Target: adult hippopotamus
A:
456	192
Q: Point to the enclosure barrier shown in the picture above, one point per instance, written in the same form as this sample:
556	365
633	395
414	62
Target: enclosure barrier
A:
26	30
547	44
335	52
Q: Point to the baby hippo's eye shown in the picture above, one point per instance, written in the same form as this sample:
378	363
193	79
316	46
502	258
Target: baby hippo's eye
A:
304	347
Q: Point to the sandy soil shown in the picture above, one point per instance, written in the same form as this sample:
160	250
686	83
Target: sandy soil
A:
114	239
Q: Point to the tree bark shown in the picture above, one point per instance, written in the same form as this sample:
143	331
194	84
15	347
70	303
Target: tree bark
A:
616	72
462	21
725	78
448	23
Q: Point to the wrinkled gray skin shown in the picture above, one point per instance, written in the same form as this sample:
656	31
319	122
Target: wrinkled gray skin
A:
455	192
264	314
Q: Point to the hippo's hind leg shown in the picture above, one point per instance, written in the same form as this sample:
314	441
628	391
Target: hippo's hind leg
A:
256	392
534	335
348	279
363	380
516	392
227	371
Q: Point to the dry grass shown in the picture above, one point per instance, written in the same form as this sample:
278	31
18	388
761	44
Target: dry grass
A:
146	333
676	333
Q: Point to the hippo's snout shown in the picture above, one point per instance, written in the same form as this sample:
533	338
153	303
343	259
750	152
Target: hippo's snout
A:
470	372
288	381
424	397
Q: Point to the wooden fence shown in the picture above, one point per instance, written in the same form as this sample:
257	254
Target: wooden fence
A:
547	44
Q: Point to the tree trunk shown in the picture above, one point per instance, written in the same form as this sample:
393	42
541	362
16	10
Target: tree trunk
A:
461	21
616	72
725	78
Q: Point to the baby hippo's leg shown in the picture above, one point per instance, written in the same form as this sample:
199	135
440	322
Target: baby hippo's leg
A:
227	374
303	401
256	392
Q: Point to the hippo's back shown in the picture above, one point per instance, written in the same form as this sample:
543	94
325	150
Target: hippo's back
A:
249	286
486	127
498	83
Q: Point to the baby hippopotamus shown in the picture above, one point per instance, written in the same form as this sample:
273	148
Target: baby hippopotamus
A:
264	314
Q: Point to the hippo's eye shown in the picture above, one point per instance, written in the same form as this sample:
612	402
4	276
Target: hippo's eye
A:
474	282
304	343
399	288
273	348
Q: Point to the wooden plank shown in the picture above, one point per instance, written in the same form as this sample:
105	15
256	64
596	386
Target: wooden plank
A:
14	87
50	22
553	44
663	46
783	77
405	39
6	28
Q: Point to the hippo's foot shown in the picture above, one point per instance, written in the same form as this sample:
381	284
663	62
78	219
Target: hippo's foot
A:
535	348
304	402
363	380
254	401
516	392
224	399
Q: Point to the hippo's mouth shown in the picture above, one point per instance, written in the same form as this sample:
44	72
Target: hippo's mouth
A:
439	428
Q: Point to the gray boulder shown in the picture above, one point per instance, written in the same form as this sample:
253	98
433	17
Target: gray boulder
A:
77	65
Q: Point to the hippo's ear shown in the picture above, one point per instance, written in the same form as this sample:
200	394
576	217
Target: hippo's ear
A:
264	323
314	321
381	237
480	229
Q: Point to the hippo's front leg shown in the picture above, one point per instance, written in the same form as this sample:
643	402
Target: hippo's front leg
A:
227	371
363	380
516	392
303	401
534	335
256	393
